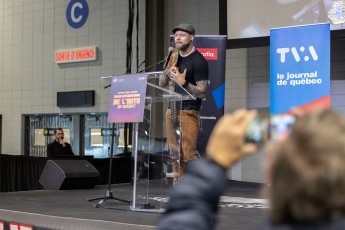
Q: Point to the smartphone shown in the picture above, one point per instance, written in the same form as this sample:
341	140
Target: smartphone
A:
258	130
264	128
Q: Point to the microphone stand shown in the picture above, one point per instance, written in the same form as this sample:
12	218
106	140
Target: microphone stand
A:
140	66
109	194
160	62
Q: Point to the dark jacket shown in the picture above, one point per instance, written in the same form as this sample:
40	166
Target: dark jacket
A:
55	149
193	202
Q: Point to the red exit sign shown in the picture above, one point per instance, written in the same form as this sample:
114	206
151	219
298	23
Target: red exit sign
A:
76	55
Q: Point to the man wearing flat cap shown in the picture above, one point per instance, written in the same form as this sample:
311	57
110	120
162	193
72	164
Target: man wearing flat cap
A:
188	68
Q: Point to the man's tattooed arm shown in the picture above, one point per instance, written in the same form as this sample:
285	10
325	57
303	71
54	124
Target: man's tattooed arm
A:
199	90
163	80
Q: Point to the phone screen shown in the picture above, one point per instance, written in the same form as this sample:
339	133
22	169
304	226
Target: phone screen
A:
263	128
281	126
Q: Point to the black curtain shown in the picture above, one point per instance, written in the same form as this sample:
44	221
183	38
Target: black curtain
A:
22	173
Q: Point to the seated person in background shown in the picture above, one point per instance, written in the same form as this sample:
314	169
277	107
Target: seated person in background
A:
59	147
307	175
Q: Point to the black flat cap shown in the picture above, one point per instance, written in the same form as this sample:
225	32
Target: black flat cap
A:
185	27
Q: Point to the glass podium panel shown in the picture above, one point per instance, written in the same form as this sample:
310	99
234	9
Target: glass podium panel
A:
153	169
153	160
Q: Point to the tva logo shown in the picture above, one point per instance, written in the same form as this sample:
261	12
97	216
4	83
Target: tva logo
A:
77	13
298	54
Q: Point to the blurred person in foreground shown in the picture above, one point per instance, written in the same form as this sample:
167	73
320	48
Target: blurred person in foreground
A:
307	175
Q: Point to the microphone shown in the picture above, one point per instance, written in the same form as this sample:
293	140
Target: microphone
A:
168	58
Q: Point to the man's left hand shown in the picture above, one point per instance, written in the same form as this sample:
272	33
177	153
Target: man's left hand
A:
178	77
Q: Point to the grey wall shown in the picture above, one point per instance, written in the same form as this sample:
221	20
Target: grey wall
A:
31	31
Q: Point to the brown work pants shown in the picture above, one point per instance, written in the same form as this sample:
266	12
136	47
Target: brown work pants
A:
182	140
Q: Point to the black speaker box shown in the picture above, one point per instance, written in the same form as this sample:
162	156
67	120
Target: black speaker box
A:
68	174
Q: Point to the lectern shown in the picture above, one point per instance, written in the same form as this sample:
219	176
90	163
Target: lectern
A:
152	169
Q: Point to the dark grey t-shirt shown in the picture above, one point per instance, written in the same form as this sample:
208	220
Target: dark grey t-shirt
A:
197	70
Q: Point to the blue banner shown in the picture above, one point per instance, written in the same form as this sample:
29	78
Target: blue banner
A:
212	108
300	68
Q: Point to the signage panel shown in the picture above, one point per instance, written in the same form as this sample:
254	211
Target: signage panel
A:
300	68
76	55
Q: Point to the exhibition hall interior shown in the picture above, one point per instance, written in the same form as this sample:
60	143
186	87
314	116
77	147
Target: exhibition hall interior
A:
93	69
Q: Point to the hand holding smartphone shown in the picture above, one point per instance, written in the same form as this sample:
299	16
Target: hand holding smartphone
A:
263	128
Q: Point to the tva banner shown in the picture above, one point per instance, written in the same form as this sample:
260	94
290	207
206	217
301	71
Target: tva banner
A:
213	48
300	68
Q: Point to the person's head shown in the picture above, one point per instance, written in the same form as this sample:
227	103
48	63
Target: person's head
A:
184	35
308	170
58	133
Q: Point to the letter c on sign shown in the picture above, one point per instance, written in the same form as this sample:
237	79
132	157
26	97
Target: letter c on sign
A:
77	13
74	19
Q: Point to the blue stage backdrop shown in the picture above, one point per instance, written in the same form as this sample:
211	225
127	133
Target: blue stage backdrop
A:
214	50
300	68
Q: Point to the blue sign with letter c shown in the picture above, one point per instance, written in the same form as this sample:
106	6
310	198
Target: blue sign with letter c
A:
77	13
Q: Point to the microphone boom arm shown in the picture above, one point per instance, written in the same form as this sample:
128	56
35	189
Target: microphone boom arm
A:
160	62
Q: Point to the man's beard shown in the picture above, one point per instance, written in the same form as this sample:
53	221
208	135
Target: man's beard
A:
184	46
